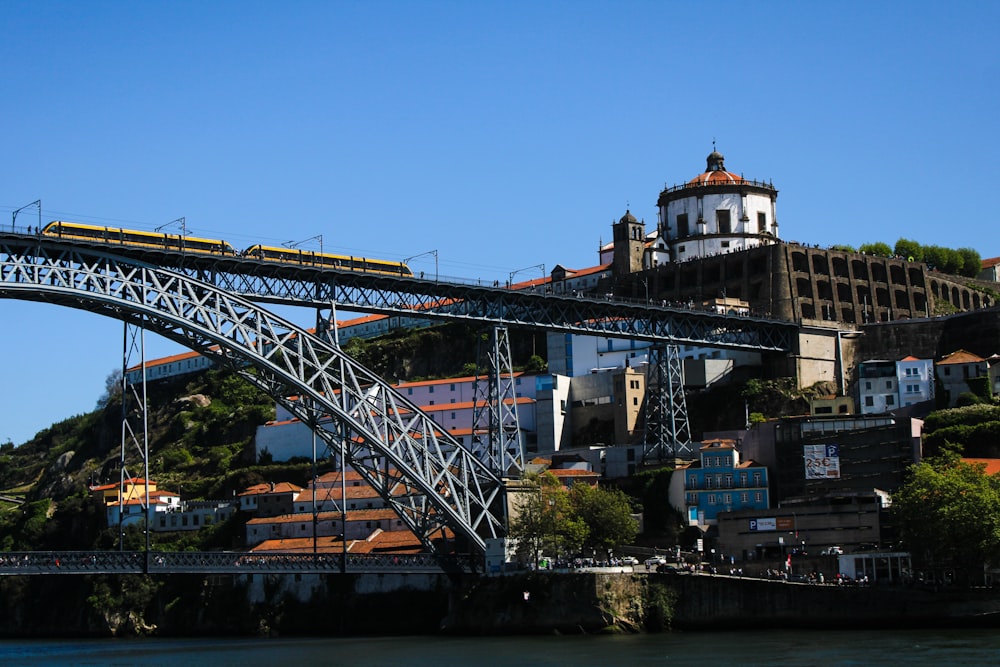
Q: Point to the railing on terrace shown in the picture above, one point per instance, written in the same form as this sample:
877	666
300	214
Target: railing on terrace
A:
742	181
216	562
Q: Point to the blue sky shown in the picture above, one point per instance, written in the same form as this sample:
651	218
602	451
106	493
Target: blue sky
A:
499	135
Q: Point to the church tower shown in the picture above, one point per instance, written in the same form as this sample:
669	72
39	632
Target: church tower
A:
717	212
629	239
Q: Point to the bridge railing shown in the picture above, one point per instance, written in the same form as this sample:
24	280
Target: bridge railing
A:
219	562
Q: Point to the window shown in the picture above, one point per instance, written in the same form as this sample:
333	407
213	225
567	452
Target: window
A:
708	481
888	384
761	222
744	497
758	497
692	499
756	479
909	372
692	482
430	389
635	400
409	391
723	222
682	225
868	386
743	479
727	499
890	399
913	389
711	499
729	481
452	386
869	401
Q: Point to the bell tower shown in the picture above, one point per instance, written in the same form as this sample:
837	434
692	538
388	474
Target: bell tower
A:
630	239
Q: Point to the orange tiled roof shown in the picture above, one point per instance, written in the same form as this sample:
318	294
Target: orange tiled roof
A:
960	357
992	465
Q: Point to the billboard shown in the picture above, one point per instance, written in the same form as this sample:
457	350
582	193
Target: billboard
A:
763	523
822	461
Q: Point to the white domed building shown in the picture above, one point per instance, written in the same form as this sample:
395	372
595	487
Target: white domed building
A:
716	212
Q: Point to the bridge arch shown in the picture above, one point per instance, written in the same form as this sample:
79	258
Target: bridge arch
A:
430	479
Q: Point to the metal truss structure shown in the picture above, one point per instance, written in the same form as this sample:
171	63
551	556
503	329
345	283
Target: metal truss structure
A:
494	406
430	480
134	422
668	433
291	284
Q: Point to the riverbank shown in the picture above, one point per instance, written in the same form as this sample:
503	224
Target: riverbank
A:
593	602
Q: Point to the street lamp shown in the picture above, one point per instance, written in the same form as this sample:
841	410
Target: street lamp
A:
423	254
510	279
296	244
840	358
552	518
13	217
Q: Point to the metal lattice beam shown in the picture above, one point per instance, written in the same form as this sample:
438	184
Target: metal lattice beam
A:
422	472
495	406
667	433
270	282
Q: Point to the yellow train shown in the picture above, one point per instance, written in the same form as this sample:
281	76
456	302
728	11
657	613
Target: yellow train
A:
115	235
118	236
325	260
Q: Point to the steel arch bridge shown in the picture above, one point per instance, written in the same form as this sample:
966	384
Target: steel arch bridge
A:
430	479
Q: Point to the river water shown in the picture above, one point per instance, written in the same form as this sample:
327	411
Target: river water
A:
707	649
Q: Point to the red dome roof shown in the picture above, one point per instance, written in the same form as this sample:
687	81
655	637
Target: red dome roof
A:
715	178
715	173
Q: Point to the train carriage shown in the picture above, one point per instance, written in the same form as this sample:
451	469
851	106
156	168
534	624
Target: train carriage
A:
326	260
133	237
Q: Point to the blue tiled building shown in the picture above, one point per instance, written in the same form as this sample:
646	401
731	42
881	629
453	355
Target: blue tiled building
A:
719	482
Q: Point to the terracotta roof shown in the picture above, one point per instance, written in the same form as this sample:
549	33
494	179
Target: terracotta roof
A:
960	357
992	261
718	444
264	489
718	177
334	493
992	465
461	380
352	515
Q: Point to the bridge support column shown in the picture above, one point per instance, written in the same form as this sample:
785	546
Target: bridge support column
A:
668	434
135	425
494	412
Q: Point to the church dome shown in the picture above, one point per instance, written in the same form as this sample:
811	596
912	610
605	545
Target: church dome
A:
628	217
715	172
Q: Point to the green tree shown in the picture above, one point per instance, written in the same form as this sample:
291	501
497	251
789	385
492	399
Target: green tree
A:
878	249
948	514
910	250
544	520
935	256
607	514
972	263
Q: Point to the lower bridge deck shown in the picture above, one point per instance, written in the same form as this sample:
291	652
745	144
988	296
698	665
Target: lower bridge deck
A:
215	562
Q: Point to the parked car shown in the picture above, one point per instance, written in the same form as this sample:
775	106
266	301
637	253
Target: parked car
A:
654	561
832	551
629	560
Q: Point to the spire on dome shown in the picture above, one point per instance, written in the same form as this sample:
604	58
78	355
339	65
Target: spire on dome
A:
716	161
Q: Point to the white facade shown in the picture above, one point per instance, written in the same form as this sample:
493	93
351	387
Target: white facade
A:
448	402
885	385
878	389
915	378
717	212
575	355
